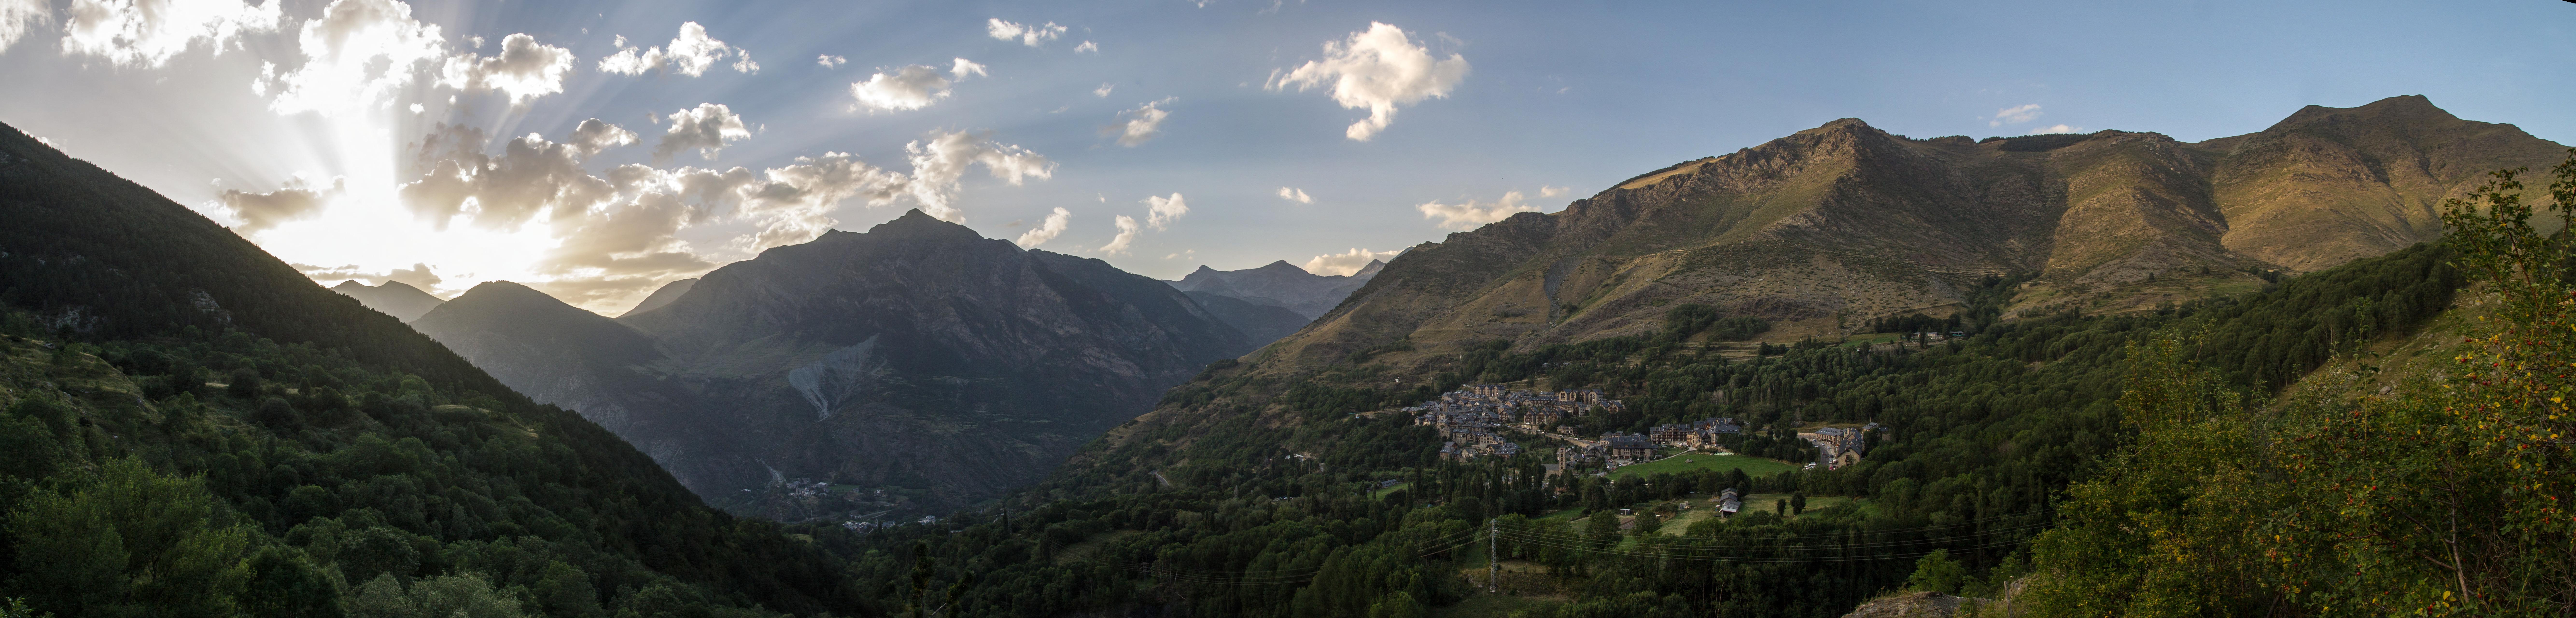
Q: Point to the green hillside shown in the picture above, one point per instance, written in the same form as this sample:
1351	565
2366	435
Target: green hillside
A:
195	429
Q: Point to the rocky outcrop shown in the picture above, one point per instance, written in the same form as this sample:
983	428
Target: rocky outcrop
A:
918	358
1915	605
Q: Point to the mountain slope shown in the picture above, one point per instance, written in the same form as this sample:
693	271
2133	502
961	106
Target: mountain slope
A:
662	296
394	298
918	358
1280	284
1828	228
424	453
1261	324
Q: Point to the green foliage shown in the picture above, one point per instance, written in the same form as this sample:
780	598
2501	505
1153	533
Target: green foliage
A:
2436	491
1936	572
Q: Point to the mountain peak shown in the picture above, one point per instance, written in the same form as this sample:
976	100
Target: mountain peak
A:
509	293
917	224
1282	266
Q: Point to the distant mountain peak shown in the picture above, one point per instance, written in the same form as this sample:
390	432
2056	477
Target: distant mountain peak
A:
917	224
394	298
1282	266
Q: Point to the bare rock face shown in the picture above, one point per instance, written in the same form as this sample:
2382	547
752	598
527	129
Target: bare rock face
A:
917	358
1915	605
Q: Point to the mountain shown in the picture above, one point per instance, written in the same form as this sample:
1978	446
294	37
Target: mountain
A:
917	358
1261	324
394	298
1828	228
1280	284
662	296
250	443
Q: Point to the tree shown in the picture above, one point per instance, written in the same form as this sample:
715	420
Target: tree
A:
1936	572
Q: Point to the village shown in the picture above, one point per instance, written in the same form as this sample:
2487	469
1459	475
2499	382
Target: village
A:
1475	419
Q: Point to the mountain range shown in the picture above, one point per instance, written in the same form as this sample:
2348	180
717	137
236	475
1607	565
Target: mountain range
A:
1832	226
917	358
394	298
1274	300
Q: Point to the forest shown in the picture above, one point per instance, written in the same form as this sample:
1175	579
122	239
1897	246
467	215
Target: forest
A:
1345	514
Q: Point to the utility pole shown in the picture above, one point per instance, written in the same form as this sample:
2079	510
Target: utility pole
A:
1493	555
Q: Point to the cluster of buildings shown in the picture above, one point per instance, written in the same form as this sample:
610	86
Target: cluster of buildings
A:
1702	434
1470	417
1838	447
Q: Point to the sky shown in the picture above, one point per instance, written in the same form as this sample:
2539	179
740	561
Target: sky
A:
596	150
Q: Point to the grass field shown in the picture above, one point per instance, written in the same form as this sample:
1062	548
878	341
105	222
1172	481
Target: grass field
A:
1752	466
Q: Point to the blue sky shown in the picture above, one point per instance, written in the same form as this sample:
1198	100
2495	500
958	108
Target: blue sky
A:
1555	102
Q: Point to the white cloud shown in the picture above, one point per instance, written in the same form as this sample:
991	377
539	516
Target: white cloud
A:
1376	69
1087	47
357	55
18	17
1103	90
1348	262
1162	211
963	67
143	33
299	198
705	129
1141	124
911	87
690	53
1126	236
939	163
1032	36
524	70
829	61
1548	191
531	176
2057	129
1470	214
1295	195
594	135
1046	231
796	202
2015	115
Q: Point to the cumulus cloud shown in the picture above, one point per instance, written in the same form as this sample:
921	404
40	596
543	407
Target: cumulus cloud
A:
144	33
1295	195
690	53
1046	230
1471	213
357	55
938	163
1162	211
1103	90
298	198
1030	35
829	61
18	17
1376	69
594	135
2015	115
1348	262
911	87
524	70
1140	124
531	176
1548	191
1126	236
796	201
705	129
1087	47
2056	129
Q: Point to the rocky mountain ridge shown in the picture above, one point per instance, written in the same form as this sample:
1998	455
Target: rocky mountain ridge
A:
394	298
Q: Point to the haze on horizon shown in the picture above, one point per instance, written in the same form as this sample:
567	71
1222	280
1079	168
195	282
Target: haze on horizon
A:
596	154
